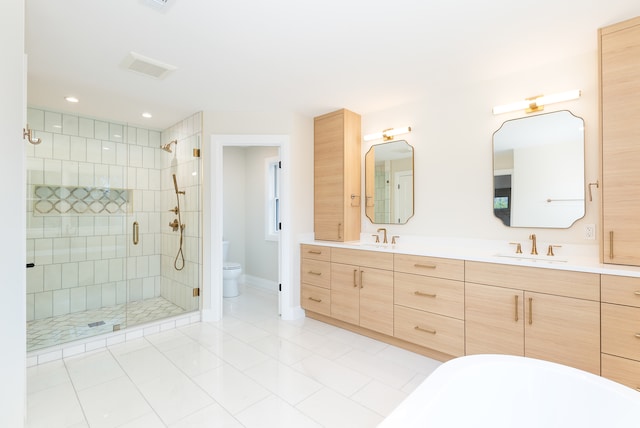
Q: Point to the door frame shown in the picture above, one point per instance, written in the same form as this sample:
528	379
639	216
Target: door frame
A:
212	306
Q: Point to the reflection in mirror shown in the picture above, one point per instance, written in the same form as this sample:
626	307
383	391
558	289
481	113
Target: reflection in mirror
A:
389	182
538	171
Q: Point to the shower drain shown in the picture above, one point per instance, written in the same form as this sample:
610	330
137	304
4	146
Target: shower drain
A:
96	324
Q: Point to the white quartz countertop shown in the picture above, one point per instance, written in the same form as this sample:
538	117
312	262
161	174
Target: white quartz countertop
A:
580	258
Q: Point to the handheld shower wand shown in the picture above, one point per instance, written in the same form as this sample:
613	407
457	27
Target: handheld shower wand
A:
177	224
175	185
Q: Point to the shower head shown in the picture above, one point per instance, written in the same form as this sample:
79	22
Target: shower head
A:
167	147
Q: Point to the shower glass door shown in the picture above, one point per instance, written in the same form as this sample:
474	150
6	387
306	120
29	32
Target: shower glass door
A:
77	204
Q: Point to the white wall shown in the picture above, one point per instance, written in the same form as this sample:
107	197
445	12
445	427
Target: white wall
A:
12	253
452	136
234	209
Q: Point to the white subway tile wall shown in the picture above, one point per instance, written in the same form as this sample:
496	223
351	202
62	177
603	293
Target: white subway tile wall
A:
84	261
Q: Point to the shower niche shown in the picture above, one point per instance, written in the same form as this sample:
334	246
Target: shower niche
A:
99	254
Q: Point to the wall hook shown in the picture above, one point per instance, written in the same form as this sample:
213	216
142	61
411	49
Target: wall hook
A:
28	134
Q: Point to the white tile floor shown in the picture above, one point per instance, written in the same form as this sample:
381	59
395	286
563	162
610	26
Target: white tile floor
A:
249	370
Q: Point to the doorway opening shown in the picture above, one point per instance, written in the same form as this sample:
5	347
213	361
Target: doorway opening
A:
253	144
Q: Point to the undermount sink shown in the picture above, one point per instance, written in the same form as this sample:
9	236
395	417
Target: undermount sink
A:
533	258
371	244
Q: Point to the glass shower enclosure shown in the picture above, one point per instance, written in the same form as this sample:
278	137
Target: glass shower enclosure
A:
113	226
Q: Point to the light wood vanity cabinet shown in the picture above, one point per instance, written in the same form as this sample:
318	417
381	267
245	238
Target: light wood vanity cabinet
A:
337	180
429	302
621	329
315	276
552	315
362	288
620	141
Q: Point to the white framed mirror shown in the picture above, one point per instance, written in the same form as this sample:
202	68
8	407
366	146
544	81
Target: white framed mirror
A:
538	171
389	183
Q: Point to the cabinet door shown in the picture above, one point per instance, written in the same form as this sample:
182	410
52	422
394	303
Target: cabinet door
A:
620	92
329	177
345	293
493	320
563	330
376	300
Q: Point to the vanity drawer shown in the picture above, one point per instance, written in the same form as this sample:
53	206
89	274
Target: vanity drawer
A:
316	273
316	252
623	290
432	331
316	299
429	266
374	259
437	295
579	285
621	330
621	370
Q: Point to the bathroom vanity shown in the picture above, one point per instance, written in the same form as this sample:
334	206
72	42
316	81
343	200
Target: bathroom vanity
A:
580	314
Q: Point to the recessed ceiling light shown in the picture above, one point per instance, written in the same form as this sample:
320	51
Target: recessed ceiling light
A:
147	115
71	99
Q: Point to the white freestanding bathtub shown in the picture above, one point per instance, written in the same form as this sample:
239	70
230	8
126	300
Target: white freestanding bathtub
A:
502	391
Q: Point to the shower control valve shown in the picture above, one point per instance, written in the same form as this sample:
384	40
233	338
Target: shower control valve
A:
174	225
174	210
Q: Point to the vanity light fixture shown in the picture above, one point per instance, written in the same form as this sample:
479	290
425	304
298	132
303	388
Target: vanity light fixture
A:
387	134
537	103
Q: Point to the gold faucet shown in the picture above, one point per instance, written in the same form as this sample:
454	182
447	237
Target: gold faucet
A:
534	248
382	229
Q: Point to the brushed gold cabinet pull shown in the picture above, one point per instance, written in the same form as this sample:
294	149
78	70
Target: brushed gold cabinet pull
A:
426	330
315	300
637	335
530	310
315	273
418	265
516	296
637	293
314	252
638	389
355	280
611	244
339	230
136	233
420	293
361	286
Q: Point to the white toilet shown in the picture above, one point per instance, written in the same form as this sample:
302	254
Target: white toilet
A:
230	273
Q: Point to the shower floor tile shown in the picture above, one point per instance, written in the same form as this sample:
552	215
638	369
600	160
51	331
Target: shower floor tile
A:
69	327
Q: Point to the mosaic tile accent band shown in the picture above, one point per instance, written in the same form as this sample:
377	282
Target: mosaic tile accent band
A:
58	200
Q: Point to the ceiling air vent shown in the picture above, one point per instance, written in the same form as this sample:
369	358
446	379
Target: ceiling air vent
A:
148	66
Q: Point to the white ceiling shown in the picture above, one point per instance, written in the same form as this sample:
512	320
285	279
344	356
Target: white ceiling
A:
302	56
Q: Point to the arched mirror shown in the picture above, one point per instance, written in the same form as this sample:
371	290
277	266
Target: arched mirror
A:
389	183
538	171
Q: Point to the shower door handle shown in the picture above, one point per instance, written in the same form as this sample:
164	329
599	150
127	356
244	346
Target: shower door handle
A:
136	233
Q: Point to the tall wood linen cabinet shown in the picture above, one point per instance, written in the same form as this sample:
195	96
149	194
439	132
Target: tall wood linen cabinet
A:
619	47
337	180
